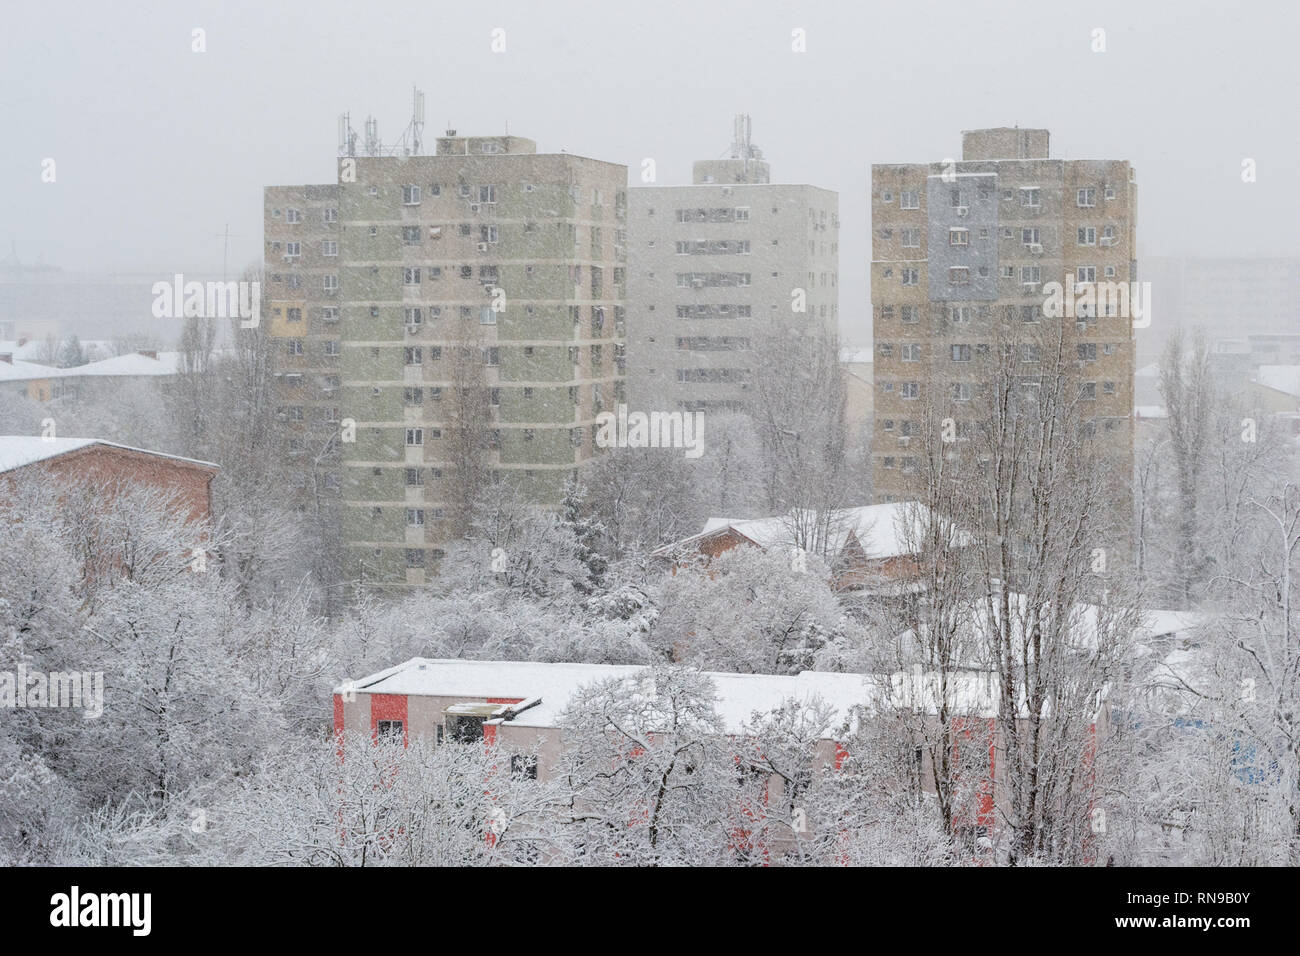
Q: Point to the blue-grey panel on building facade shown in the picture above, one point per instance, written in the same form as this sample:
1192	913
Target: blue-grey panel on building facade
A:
962	211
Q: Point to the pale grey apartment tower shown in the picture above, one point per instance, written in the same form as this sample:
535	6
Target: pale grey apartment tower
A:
713	266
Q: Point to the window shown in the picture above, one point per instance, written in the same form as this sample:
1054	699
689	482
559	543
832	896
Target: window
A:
390	729
293	215
1029	196
1085	274
331	283
1086	197
1029	237
1108	388
414	558
414	355
1110	192
1087	236
410	235
411	275
961	353
1030	354
492	356
414	478
293	346
293	315
1087	391
410	195
1031	275
909	199
909	314
910	390
1087	351
911	276
961	391
292	250
958	237
332	348
959	275
414	517
911	352
414	436
487	233
413	396
911	238
414	317
487	194
331	214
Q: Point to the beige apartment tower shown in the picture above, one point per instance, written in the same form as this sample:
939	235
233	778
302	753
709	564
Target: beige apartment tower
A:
962	252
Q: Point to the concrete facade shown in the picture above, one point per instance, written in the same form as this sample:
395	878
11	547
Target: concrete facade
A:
487	270
715	266
962	252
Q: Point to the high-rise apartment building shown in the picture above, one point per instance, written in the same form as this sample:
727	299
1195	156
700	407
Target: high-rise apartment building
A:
715	266
962	256
463	322
302	236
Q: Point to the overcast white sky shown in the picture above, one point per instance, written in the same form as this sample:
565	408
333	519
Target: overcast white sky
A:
157	148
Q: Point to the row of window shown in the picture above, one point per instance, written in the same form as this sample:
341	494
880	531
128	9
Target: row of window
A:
963	314
1030	196
958	352
294	216
712	343
1030	275
701	280
1029	236
725	214
715	247
964	391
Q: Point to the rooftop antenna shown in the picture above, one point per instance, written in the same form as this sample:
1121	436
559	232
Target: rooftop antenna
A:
372	136
347	136
742	144
417	122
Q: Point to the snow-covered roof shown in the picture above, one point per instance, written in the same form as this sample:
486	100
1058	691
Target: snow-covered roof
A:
19	371
17	451
739	695
26	349
1284	378
1083	621
132	364
879	529
31	349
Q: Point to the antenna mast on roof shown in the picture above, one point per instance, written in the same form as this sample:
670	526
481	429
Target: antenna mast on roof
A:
417	122
347	136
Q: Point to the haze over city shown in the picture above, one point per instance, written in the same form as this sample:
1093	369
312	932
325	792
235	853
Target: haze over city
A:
158	148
